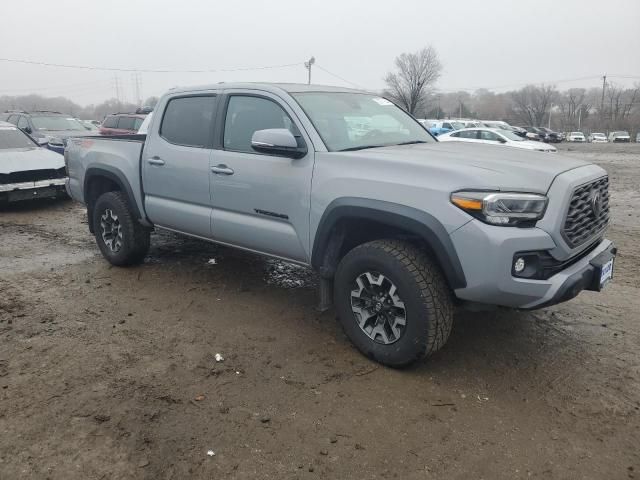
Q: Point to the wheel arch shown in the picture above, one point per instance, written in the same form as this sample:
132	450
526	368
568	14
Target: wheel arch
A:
344	216
102	179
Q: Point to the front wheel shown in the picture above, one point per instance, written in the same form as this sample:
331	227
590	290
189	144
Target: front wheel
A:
393	302
120	238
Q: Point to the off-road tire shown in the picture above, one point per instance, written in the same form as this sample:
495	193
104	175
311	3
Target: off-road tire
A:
421	286
135	237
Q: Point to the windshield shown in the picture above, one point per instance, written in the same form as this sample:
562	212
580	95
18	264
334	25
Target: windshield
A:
599	135
511	136
622	133
353	121
11	137
50	122
577	134
457	125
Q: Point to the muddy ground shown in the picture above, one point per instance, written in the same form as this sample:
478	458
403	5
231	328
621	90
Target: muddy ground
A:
109	373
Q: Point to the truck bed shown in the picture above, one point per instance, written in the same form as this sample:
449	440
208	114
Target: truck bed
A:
117	154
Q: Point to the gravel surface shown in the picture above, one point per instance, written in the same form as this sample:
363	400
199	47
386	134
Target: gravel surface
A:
111	373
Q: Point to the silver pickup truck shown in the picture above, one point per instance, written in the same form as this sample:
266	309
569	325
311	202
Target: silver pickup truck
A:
400	227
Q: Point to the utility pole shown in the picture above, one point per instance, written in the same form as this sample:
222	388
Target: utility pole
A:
550	109
117	85
308	66
604	84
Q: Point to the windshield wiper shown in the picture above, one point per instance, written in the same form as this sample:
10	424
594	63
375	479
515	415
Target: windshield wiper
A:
362	147
412	142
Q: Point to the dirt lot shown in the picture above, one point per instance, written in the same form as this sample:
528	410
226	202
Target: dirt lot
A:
109	373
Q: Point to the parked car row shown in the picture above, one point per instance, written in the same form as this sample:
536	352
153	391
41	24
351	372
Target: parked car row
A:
494	136
618	136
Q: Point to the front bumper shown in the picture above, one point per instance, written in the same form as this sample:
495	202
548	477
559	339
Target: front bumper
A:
13	192
486	253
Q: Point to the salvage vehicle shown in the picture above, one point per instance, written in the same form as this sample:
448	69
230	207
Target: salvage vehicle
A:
121	123
28	171
597	138
51	129
401	228
495	136
619	137
576	137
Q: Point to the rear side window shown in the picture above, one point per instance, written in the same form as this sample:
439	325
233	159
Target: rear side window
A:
188	121
126	123
110	122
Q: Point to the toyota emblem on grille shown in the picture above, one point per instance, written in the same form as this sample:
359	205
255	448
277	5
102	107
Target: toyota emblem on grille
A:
596	203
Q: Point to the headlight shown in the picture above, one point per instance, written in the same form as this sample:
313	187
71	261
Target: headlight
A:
505	209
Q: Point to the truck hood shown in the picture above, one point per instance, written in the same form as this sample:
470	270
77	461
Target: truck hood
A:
24	159
473	165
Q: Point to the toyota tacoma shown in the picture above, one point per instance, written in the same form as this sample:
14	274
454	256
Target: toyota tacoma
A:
402	229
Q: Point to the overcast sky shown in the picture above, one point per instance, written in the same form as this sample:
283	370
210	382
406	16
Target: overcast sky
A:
496	44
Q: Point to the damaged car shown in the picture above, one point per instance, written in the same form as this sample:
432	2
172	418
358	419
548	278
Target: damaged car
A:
28	171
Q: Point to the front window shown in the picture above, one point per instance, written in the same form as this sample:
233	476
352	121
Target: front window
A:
56	123
248	114
508	134
353	121
11	137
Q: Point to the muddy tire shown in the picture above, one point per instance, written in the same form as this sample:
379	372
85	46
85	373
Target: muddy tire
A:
393	302
120	238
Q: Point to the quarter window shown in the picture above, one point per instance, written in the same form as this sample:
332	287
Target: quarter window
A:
188	121
246	115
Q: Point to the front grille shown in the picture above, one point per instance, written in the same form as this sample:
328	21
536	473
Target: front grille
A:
32	175
588	213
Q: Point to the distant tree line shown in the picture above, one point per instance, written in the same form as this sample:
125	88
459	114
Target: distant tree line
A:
66	106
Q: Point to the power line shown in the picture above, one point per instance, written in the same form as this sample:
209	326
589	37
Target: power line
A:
339	77
142	70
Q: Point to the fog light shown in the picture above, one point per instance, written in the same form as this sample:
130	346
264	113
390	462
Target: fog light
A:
519	265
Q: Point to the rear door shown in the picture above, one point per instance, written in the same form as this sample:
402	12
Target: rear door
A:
175	164
260	202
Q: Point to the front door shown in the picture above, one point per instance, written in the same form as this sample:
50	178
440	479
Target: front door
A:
175	165
260	202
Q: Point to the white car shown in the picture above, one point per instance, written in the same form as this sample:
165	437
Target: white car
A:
597	138
576	137
494	136
619	136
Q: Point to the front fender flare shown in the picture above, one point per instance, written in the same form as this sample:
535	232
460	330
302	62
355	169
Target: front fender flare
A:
412	220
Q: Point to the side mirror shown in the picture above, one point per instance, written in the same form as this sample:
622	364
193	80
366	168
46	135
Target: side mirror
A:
277	141
28	130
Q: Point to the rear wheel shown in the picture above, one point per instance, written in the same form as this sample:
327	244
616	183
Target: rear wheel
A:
120	238
393	302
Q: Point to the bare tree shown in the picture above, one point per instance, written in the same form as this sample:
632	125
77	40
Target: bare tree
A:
415	76
531	104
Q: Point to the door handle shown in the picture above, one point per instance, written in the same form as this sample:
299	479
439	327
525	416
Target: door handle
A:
222	169
155	161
